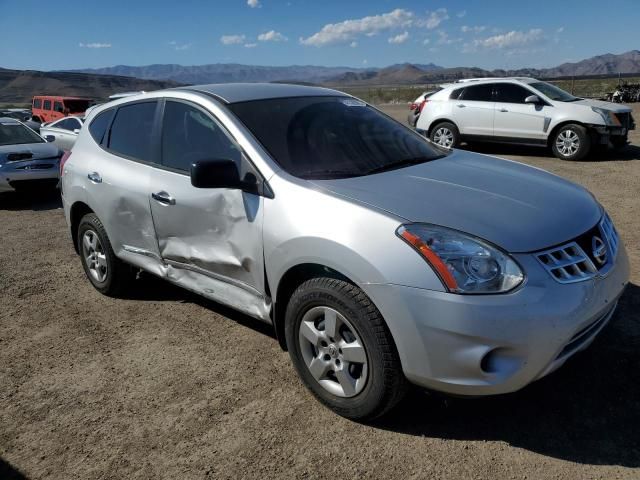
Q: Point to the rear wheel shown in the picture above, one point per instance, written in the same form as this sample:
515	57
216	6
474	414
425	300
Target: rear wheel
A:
445	134
106	272
571	142
342	349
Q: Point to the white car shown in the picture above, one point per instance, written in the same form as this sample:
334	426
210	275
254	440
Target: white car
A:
64	132
523	111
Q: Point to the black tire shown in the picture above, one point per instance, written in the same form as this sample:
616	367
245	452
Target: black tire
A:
442	130
385	383
569	132
118	274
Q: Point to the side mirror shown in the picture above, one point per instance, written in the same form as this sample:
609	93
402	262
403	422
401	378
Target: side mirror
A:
215	173
533	99
50	138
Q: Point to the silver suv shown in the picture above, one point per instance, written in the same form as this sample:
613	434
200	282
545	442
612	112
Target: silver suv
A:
523	111
378	257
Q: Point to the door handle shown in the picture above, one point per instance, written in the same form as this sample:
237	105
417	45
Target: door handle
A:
95	177
460	105
503	110
164	198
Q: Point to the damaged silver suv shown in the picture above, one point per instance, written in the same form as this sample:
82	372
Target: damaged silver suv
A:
379	258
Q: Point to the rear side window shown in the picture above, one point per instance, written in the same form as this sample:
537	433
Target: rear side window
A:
99	125
456	94
131	131
511	93
189	135
37	103
66	124
47	104
480	93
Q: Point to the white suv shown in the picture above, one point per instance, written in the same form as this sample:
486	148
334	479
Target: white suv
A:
523	111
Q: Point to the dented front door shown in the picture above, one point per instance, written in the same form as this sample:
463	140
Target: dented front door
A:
211	240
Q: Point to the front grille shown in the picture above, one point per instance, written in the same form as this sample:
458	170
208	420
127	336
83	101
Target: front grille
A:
588	255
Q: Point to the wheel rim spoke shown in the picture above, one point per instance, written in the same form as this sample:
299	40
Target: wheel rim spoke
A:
347	382
330	322
318	368
308	331
354	353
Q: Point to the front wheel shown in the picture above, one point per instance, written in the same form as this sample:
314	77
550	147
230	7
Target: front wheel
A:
342	349
571	142
445	134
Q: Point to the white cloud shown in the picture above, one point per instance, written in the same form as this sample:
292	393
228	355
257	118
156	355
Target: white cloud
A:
445	39
365	61
232	39
272	36
401	38
512	39
435	18
476	29
348	30
461	14
353	44
94	45
560	30
179	46
426	41
254	3
250	45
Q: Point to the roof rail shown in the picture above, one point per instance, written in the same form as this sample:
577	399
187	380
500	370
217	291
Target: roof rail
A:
479	79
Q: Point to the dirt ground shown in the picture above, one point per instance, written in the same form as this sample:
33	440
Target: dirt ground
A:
164	384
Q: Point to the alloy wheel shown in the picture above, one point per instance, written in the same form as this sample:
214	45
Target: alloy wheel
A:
443	136
568	143
94	256
333	351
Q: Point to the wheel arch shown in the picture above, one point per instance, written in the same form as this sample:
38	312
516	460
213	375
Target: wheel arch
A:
561	124
437	122
78	210
292	279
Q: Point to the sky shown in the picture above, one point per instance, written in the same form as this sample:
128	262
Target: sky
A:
72	34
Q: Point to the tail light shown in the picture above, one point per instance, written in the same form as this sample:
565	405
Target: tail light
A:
413	106
63	160
422	104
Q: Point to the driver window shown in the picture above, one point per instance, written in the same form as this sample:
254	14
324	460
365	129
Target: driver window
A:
189	135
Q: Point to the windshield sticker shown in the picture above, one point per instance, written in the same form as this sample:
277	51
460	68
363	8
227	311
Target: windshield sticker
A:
352	102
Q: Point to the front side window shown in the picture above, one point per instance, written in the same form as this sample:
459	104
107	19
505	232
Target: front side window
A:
190	135
479	93
510	93
16	134
47	104
331	137
131	131
553	92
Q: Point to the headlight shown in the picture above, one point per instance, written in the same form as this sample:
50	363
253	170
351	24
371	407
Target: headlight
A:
464	263
608	116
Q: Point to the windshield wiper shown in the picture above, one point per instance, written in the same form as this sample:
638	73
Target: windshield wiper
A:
329	174
402	163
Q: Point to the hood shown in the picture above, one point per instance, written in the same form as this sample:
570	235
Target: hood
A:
614	107
29	151
514	206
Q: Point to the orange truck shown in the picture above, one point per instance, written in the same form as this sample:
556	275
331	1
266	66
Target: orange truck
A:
47	108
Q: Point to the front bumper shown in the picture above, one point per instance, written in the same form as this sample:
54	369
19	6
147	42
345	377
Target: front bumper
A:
15	174
493	344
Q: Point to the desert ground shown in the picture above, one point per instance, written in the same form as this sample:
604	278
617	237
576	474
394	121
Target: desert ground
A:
164	384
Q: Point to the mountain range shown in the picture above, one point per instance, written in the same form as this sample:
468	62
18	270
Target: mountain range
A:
404	73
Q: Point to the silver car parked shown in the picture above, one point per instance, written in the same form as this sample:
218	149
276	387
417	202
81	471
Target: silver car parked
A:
378	257
63	132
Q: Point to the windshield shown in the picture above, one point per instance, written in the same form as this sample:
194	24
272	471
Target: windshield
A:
553	92
77	106
332	137
16	134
